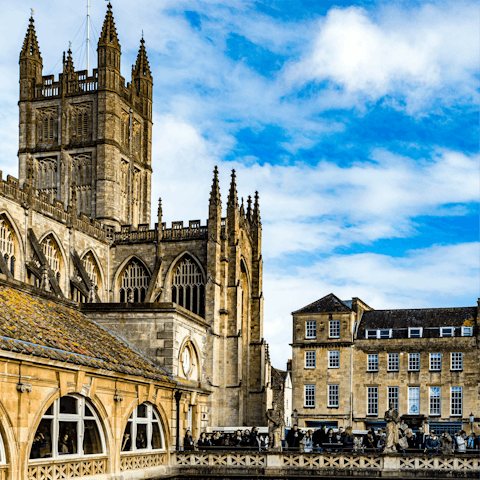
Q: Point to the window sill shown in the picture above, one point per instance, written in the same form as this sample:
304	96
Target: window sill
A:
309	368
333	368
392	371
372	371
309	406
414	371
456	370
331	406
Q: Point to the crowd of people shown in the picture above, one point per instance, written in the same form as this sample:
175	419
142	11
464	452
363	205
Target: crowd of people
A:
342	440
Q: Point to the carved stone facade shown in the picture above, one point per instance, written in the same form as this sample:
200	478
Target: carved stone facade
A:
77	224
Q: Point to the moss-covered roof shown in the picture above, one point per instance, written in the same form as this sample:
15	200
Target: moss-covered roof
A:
34	325
328	304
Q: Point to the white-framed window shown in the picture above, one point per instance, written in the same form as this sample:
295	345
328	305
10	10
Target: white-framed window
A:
413	400
334	359
3	457
467	331
456	361
372	400
69	428
393	397
435	362
310	396
334	328
447	331
393	362
413	362
456	401
382	333
311	329
143	431
310	359
435	400
372	362
415	332
333	396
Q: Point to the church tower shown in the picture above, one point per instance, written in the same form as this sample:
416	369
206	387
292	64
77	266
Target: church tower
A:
88	137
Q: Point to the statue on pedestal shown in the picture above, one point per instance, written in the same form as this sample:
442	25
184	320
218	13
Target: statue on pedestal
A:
393	419
275	425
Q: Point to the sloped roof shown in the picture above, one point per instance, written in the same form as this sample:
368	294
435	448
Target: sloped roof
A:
34	324
422	317
278	377
327	304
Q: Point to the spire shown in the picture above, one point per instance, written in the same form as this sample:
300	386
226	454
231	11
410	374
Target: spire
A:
256	210
142	68
249	207
30	44
232	196
109	32
69	69
215	192
160	212
242	210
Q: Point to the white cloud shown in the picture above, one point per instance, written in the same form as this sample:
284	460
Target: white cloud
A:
415	55
438	276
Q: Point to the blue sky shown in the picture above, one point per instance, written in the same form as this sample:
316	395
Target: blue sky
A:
356	121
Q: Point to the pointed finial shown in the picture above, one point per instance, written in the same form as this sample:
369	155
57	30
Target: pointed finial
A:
160	212
256	210
142	67
232	196
242	210
142	34
215	192
249	207
30	44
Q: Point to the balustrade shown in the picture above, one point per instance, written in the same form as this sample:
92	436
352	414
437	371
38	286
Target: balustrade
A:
57	470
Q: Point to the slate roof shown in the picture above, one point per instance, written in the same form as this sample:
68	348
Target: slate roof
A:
428	318
327	304
34	325
278	377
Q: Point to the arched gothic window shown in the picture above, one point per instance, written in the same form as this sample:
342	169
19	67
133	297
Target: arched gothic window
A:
3	457
51	252
188	286
91	267
134	283
143	431
7	247
69	428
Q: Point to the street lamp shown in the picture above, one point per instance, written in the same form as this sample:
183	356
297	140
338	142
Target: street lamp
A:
472	419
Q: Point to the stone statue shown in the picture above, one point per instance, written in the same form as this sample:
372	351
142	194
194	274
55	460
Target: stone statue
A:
275	426
393	419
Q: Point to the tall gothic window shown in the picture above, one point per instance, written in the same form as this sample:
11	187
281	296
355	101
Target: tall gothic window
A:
91	267
52	253
7	247
188	286
47	129
134	283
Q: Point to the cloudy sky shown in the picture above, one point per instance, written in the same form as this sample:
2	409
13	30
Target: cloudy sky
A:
356	121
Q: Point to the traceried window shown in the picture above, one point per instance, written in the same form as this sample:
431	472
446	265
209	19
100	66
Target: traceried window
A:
372	363
52	254
333	396
69	427
91	267
47	125
413	362
188	288
134	283
143	431
435	400
310	359
310	329
334	328
393	397
372	400
309	395
456	400
393	362
7	247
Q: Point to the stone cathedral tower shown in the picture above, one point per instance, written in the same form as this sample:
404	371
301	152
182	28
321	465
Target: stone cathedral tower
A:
85	141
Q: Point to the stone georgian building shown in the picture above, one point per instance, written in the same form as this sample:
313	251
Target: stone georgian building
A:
349	361
76	225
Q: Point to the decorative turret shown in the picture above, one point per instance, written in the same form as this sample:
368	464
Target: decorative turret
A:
249	208
69	69
242	210
256	211
109	52
232	202
30	64
142	80
160	213
232	212
215	209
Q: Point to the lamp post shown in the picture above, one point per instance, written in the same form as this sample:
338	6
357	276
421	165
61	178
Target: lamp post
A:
472	419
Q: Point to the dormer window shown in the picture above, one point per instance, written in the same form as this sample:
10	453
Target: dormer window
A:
415	332
370	334
382	333
447	331
467	331
385	333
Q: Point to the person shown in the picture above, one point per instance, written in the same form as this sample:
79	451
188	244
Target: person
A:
420	438
254	437
340	435
204	441
65	445
217	439
391	438
38	442
347	439
471	441
246	438
432	444
294	436
370	441
307	442
237	439
460	441
410	438
446	442
382	440
318	438
188	442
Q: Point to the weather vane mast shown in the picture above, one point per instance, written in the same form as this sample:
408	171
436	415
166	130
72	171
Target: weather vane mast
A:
32	11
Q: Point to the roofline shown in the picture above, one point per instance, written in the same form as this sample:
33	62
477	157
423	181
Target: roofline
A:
296	312
418	309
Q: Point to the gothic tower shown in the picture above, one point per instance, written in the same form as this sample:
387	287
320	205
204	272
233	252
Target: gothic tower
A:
86	137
